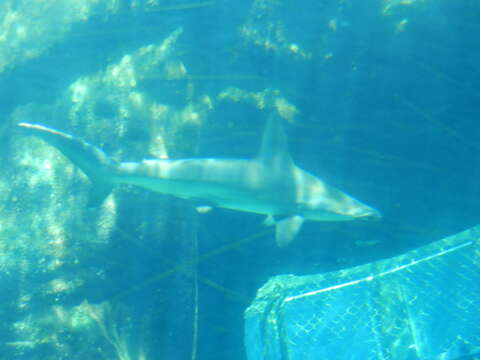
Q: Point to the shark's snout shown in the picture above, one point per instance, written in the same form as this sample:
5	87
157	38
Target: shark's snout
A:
370	214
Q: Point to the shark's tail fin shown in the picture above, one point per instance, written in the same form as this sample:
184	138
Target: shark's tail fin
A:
90	159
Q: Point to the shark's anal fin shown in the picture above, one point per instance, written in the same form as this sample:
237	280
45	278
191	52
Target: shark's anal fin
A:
203	209
286	230
269	221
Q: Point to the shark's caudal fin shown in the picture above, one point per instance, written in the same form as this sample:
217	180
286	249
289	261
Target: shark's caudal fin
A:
90	159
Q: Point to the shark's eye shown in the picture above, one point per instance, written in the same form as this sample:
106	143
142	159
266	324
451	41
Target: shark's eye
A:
300	207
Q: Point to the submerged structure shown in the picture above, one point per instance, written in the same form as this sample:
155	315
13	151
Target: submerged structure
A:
417	306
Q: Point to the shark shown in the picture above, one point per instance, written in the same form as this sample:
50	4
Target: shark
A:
269	184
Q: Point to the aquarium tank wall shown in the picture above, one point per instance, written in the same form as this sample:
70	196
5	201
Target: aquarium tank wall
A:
260	179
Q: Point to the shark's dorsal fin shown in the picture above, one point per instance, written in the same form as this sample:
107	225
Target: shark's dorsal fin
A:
274	147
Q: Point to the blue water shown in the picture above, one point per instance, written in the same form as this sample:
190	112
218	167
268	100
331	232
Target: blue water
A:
387	96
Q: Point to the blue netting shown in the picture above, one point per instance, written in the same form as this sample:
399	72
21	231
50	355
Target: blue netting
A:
424	304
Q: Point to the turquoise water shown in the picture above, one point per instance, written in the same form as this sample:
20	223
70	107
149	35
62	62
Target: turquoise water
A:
378	98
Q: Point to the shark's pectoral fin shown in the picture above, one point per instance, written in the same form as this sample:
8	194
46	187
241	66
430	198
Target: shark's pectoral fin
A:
287	229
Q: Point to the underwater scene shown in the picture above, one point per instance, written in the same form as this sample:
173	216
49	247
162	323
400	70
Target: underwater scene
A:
242	180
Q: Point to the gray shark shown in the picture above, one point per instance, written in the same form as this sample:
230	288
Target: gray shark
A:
269	184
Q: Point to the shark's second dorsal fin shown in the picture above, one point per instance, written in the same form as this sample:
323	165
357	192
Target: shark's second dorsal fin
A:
274	147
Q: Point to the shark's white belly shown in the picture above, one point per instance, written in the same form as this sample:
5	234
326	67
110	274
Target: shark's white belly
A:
231	184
